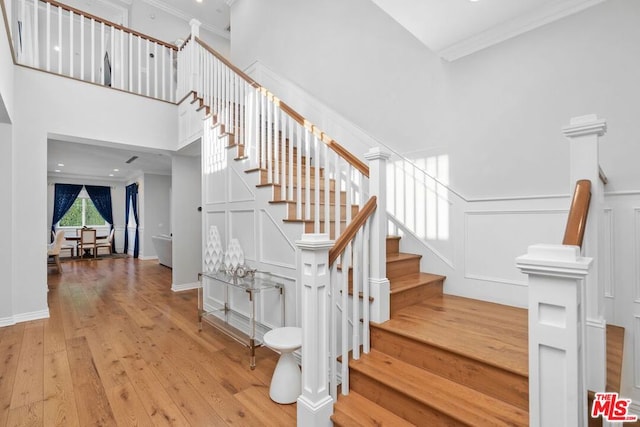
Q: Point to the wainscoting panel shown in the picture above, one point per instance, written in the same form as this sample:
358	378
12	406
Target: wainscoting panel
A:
609	280
215	185
636	358
242	227
217	218
239	190
275	248
493	240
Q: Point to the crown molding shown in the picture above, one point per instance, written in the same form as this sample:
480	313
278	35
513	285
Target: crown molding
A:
553	11
185	17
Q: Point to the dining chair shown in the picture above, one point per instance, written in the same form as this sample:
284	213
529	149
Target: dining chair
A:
87	241
53	251
106	243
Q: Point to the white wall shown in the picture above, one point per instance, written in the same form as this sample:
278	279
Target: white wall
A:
117	202
6	75
154	206
186	197
52	105
6	253
510	99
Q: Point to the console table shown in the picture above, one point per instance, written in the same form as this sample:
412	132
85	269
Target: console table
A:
253	286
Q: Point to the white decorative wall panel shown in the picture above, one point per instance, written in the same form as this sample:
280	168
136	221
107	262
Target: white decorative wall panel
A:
493	239
242	227
275	248
609	260
239	190
215	185
636	351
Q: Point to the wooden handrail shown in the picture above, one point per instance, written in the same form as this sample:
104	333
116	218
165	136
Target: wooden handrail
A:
350	232
299	118
109	23
577	220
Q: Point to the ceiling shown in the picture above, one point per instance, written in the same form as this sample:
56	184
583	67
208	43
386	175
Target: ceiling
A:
456	28
81	160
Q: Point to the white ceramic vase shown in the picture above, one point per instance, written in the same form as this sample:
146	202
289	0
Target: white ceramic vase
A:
234	256
214	255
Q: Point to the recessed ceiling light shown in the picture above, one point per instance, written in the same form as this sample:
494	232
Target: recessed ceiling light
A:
116	170
110	174
57	170
199	1
56	48
60	164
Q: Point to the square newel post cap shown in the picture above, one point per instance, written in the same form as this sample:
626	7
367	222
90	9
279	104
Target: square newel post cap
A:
554	260
314	241
585	125
377	153
195	27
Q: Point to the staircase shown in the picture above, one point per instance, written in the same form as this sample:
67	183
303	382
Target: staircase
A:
439	360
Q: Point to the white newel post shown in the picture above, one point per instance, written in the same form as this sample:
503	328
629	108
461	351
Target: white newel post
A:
195	32
378	282
583	134
557	393
315	405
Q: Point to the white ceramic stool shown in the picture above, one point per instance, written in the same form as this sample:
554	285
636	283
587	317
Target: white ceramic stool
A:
286	380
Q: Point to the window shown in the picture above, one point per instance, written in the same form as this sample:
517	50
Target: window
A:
82	213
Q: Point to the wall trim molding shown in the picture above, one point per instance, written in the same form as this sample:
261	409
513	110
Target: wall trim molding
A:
146	258
34	315
515	27
185	286
7	321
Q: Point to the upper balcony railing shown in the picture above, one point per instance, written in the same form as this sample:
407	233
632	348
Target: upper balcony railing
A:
60	39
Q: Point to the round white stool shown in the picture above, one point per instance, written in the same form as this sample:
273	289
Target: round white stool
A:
286	380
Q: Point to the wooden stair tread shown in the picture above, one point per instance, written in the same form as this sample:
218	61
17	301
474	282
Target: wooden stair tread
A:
356	410
494	334
413	280
461	403
401	257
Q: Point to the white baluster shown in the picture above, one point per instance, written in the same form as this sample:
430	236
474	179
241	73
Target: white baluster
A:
316	191
36	41
327	193
130	37
269	140
291	160
155	70
112	58
366	339
121	66
337	199
81	47
59	39
283	156
344	321
163	53
23	16
172	94
48	36
298	136
139	69
307	174
93	51
71	53
355	292
148	77
102	53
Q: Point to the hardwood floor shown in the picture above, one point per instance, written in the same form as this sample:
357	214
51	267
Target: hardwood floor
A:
122	349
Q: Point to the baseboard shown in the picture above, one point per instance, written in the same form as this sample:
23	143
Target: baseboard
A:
7	321
185	286
147	258
34	315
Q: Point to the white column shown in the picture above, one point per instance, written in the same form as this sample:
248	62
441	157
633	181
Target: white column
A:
315	405
557	363
379	284
583	134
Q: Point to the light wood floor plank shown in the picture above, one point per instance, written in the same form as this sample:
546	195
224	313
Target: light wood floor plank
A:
59	397
29	381
29	415
10	344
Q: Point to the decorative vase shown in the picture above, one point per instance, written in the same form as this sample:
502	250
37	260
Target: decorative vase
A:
234	256
214	254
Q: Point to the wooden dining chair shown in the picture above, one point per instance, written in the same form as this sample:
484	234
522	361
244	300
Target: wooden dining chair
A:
87	242
106	243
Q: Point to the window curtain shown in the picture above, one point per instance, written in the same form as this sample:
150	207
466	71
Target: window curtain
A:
64	196
101	198
131	202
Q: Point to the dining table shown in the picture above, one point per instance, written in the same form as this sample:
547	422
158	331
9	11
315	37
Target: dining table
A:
76	239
